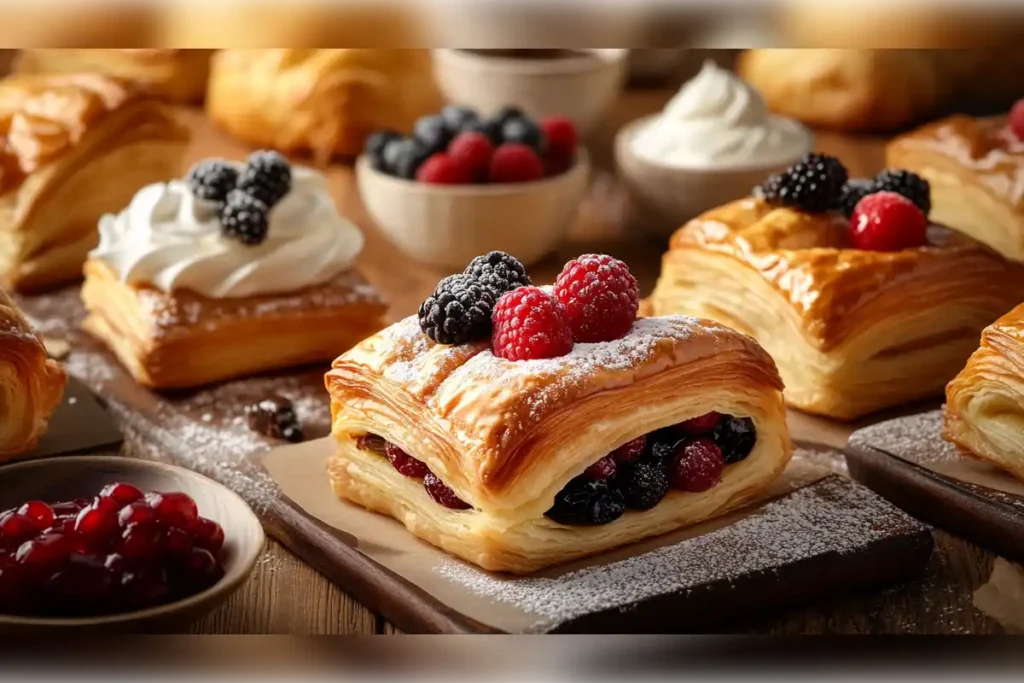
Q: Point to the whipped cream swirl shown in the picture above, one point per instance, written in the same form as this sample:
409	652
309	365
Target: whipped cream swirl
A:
718	120
169	239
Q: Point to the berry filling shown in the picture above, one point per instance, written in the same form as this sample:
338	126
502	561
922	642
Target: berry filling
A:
408	466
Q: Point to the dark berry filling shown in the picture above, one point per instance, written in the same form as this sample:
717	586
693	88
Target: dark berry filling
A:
408	466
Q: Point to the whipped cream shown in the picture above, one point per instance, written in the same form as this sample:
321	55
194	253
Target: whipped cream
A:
169	239
718	120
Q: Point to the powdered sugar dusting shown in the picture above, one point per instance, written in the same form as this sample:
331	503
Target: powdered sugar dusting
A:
916	437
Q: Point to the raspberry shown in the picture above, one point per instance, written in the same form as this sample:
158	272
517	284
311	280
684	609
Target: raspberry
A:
529	323
458	311
854	191
499	272
212	180
886	221
473	151
813	184
644	485
631	451
561	135
267	176
736	437
697	465
602	469
244	218
587	503
406	465
443	169
442	493
699	425
600	295
910	185
515	163
1017	119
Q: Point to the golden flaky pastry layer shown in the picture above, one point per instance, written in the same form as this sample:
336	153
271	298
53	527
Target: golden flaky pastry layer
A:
72	148
852	331
985	403
31	385
173	75
326	101
976	171
183	339
508	436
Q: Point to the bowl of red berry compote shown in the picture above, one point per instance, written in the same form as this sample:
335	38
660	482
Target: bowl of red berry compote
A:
116	542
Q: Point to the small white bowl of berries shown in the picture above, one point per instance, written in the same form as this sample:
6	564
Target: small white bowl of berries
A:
118	544
462	184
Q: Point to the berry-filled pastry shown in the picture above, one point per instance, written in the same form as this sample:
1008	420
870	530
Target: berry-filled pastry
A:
862	302
237	269
73	147
975	167
984	411
519	427
31	384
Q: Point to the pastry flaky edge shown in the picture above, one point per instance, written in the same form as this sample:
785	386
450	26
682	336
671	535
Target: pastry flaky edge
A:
984	411
973	166
31	384
508	436
852	331
76	146
184	340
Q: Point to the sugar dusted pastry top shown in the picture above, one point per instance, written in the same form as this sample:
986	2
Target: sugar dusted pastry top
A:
41	116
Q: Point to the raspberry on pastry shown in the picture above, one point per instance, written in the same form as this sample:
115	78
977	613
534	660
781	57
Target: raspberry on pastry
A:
600	295
529	323
886	221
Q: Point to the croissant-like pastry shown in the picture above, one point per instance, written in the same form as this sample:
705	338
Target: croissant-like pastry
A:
852	331
984	411
73	147
505	464
975	168
31	385
173	75
324	101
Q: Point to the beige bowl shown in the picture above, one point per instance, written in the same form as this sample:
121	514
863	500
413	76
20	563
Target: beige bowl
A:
70	477
446	226
581	87
663	198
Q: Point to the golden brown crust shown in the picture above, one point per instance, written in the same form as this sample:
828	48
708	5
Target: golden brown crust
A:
31	385
184	340
324	101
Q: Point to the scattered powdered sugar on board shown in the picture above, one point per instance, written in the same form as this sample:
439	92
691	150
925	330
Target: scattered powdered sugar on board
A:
833	516
917	438
828	459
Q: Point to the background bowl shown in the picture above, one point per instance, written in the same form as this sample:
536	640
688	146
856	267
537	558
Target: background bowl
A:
69	477
663	198
446	226
581	87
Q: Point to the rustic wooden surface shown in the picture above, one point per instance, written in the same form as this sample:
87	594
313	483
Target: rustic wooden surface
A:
287	596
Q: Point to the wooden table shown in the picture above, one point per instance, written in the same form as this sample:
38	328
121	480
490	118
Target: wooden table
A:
287	596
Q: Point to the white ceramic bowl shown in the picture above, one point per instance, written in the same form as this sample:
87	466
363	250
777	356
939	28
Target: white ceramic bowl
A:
581	87
446	226
663	198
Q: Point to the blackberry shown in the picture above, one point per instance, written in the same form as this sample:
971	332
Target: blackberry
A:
432	132
212	180
375	145
910	185
457	118
588	503
643	485
495	125
666	443
523	131
267	176
275	417
735	437
458	311
244	218
854	190
813	184
498	272
403	157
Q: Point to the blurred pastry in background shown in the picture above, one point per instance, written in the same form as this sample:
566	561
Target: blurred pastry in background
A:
73	148
322	101
175	75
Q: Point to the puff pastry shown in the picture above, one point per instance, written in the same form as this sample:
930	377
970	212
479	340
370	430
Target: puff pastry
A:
31	385
506	437
73	148
324	101
852	331
173	75
975	167
984	411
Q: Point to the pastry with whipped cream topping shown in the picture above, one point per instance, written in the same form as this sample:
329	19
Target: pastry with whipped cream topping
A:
238	269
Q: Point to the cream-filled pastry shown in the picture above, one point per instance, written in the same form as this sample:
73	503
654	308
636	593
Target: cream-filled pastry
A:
237	269
861	301
515	445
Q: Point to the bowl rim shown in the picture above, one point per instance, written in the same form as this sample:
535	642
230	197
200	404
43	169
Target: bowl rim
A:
626	132
594	59
580	166
226	584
